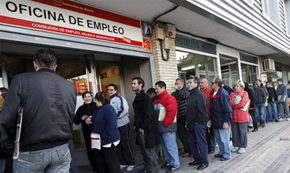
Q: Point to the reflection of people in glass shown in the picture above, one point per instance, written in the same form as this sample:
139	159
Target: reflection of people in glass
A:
84	111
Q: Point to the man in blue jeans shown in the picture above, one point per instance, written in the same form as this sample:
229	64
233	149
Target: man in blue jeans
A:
166	108
48	102
260	104
272	100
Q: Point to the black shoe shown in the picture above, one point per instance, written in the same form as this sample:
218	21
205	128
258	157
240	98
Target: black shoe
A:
224	159
277	120
144	170
211	151
165	166
263	125
194	163
218	156
250	127
201	167
171	169
255	130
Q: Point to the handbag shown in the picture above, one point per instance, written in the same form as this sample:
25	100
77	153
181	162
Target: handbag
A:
18	133
96	141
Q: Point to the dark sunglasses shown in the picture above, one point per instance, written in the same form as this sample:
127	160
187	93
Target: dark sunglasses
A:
212	83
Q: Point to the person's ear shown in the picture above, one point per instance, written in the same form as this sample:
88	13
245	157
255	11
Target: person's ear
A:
54	68
35	66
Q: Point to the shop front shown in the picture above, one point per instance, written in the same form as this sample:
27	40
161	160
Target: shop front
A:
94	48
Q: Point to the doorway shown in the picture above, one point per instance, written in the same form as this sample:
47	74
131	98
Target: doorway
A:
229	70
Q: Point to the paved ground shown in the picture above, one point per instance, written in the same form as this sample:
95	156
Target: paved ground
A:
268	151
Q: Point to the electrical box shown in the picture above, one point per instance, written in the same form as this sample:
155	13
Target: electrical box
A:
147	29
170	30
159	33
166	43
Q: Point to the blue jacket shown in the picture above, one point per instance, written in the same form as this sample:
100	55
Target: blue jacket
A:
220	108
105	123
282	91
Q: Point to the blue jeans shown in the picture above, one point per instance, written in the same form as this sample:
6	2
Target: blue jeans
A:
272	111
223	140
260	113
56	159
169	146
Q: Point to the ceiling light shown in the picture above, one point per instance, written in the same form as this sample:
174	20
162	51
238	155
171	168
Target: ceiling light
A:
190	67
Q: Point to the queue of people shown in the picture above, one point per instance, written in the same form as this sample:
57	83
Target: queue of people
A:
201	116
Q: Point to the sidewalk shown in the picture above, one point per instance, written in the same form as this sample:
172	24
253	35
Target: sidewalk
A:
268	151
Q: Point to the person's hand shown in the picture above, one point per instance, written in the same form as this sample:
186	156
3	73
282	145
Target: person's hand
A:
225	125
142	131
83	117
134	127
88	121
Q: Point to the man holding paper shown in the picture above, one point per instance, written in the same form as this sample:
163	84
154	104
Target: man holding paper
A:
167	126
282	100
240	103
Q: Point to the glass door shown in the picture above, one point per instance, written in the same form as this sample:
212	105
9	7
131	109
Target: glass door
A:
229	70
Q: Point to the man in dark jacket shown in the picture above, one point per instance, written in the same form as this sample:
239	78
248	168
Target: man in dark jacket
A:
145	125
197	118
181	95
48	102
272	100
252	112
260	104
221	116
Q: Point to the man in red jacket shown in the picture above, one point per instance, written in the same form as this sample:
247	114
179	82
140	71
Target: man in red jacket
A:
166	109
209	131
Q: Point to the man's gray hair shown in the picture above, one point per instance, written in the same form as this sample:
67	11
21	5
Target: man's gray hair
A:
181	80
195	79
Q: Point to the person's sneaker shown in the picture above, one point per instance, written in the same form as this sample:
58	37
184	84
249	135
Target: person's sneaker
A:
242	150
281	119
144	170
235	149
123	166
263	125
287	119
277	120
171	169
165	166
130	167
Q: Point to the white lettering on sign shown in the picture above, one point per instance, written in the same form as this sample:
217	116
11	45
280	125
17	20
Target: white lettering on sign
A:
69	17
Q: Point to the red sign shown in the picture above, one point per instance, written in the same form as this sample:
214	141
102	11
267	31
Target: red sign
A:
146	44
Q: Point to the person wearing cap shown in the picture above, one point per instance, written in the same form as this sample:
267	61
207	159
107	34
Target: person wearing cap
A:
260	104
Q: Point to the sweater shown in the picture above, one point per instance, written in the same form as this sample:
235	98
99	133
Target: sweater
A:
122	109
105	123
167	102
85	109
196	109
282	91
181	97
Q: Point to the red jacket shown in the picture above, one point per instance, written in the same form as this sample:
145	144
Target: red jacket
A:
206	92
239	115
170	104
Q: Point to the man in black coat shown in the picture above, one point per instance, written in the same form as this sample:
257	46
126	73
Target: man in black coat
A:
252	111
145	125
197	118
48	102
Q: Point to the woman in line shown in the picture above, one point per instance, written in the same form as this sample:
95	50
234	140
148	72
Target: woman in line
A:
240	103
105	124
84	111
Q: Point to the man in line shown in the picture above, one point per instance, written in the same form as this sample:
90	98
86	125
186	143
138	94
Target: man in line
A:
209	131
48	102
272	100
260	84
274	84
152	94
145	125
283	100
221	116
121	107
252	112
197	118
166	108
181	95
260	99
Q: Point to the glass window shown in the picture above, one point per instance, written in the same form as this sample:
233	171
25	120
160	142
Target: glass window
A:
108	74
197	65
273	76
265	8
248	58
229	70
249	73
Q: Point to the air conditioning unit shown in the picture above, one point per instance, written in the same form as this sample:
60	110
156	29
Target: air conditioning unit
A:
269	65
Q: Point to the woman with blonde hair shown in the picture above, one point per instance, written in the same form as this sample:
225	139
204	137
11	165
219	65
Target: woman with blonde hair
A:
240	103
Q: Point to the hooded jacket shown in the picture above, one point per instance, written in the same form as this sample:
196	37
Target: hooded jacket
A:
240	115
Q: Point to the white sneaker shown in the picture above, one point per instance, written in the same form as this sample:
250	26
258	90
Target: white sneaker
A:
242	150
281	119
130	167
287	119
123	166
235	149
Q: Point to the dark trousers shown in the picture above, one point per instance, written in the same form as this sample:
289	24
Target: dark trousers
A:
91	154
149	155
181	130
73	164
239	134
197	143
210	139
9	163
125	152
253	115
107	160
